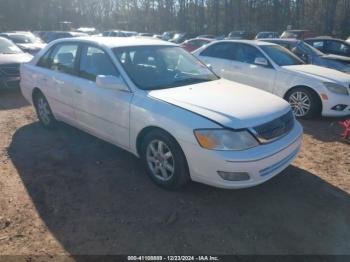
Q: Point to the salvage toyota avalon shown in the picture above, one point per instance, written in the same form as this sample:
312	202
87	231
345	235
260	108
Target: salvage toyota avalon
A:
162	104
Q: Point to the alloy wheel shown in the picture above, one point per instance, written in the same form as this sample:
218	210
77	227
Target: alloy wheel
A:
300	103
160	160
44	111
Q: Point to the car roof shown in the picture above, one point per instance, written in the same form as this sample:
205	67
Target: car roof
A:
297	30
324	38
201	38
113	42
285	40
250	42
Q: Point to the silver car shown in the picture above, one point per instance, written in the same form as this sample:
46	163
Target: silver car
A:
10	59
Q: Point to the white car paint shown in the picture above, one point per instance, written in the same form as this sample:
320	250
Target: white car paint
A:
280	79
119	117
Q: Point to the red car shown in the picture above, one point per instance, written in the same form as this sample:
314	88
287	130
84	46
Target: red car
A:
195	43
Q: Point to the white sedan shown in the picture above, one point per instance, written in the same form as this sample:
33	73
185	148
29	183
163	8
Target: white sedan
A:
159	102
311	90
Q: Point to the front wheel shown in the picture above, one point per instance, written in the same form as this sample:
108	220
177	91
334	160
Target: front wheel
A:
305	103
164	160
43	111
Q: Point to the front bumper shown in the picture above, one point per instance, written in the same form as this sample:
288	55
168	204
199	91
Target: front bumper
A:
9	82
334	100
261	163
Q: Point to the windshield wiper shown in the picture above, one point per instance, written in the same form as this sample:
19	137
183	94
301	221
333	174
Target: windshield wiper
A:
191	80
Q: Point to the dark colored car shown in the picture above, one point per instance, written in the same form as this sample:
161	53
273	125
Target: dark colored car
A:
311	55
262	35
330	46
26	41
11	57
195	43
297	34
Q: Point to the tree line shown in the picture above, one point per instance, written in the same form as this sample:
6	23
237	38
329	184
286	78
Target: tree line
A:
324	17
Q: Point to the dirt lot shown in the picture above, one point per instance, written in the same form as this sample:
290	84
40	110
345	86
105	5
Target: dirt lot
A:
65	192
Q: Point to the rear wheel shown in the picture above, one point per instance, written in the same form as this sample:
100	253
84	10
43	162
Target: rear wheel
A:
43	111
304	102
164	160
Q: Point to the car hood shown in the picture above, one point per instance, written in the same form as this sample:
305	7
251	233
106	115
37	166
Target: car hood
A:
14	58
337	58
321	73
228	103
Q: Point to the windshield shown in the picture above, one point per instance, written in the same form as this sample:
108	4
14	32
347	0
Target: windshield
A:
7	47
281	56
309	49
161	67
24	39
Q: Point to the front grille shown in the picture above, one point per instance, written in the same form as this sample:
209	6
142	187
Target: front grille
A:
275	129
10	70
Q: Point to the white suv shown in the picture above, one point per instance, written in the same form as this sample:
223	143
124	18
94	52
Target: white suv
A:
159	102
311	90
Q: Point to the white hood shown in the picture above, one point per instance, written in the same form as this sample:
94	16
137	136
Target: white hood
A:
322	73
229	103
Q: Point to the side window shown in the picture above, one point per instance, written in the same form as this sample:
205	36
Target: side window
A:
94	61
337	47
248	54
220	50
63	58
318	44
45	60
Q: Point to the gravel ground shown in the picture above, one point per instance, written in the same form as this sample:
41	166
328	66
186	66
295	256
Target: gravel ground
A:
66	192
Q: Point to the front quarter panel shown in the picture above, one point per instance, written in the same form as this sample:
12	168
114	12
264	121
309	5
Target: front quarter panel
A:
150	112
286	80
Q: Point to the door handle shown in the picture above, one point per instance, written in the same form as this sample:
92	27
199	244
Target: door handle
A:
78	91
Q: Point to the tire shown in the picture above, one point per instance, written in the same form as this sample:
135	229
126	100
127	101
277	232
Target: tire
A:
44	112
304	102
164	160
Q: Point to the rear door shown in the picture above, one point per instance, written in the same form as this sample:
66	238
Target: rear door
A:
337	48
103	112
219	56
58	72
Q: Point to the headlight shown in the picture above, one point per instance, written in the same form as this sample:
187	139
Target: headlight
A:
225	140
336	88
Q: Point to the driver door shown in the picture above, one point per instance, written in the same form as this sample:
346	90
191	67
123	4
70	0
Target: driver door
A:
259	76
103	112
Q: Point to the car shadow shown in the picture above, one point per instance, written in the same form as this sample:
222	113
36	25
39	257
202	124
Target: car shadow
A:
325	129
96	199
11	99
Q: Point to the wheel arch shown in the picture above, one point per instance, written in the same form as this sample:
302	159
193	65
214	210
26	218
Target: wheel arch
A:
146	130
312	90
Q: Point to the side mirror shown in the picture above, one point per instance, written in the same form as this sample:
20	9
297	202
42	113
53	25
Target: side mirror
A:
261	61
111	82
